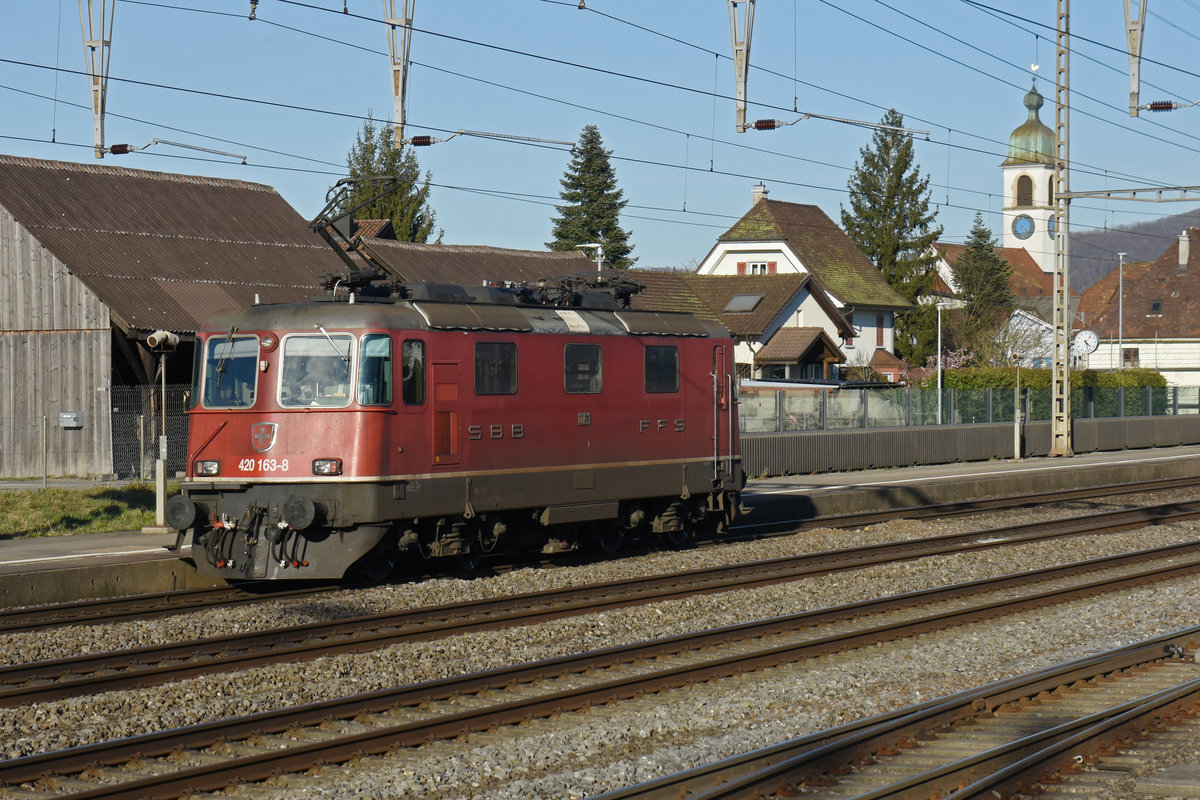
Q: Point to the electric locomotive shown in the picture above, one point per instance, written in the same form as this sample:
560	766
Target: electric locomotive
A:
381	424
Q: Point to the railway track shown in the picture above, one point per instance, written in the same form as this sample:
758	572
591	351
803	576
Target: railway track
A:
209	756
1024	734
145	666
161	604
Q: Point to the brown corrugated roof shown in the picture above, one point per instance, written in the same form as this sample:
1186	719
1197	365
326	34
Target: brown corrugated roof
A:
472	265
164	250
822	247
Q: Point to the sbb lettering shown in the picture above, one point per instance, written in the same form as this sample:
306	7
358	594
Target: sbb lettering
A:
515	431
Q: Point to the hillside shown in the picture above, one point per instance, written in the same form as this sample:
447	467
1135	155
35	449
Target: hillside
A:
1094	252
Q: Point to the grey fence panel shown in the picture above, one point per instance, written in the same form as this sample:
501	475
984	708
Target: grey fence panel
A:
809	452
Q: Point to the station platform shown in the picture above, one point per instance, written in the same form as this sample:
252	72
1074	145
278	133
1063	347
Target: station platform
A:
63	568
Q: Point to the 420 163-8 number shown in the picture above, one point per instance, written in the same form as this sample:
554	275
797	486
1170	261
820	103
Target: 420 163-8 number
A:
263	465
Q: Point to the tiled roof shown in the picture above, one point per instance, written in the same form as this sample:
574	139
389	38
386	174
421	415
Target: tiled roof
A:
822	247
707	296
1028	280
1177	297
472	265
1102	295
163	250
790	345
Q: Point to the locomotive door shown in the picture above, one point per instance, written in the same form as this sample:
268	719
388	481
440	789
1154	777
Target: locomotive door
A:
445	380
723	409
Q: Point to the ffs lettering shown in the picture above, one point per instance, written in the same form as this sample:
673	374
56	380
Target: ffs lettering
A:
659	425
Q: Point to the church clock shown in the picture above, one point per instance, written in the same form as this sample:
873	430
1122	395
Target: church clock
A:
1022	226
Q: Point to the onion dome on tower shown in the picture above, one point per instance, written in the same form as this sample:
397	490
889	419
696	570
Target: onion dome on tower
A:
1032	142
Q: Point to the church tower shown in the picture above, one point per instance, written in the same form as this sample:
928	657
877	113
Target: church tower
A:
1029	187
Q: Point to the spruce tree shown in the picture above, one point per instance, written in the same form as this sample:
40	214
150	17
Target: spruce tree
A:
375	153
983	277
890	220
593	203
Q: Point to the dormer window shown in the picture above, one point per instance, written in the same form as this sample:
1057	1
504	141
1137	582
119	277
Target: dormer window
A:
1156	307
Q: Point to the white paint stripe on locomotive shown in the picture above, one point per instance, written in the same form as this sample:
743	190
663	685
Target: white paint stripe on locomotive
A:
421	476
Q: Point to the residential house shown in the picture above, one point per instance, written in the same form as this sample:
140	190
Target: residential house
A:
1149	316
780	238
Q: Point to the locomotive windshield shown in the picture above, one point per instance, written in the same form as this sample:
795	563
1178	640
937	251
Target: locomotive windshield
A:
316	370
230	371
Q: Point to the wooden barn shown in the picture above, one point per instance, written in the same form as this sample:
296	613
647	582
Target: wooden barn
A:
92	260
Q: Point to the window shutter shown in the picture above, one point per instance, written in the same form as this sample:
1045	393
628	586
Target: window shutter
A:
879	330
772	267
741	267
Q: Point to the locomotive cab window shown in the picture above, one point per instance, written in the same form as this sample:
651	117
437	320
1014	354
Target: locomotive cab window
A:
375	370
230	371
316	370
496	368
412	381
582	373
662	369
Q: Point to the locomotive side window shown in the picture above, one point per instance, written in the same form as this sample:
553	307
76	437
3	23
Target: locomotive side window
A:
582	369
316	370
375	370
230	371
662	369
496	368
412	362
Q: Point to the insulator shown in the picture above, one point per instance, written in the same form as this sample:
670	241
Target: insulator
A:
120	149
1161	105
421	141
766	124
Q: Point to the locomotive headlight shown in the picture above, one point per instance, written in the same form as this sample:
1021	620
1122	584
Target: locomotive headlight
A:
327	466
208	467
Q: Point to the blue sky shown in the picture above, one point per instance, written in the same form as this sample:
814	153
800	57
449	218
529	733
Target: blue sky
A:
289	90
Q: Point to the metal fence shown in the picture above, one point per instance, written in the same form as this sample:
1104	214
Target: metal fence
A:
780	410
137	423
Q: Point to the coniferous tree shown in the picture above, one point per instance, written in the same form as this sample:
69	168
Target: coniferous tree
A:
983	276
890	220
594	203
374	153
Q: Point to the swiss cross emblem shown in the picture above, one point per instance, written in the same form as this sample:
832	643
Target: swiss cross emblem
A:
262	436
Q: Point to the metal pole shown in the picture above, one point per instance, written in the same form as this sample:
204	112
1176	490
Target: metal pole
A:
45	437
939	364
1017	417
1120	311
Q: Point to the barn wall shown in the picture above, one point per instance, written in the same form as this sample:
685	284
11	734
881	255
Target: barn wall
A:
55	356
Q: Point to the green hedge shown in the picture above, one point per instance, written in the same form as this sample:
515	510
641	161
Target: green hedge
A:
1093	392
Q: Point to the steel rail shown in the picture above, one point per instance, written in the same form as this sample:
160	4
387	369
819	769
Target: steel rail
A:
147	605
160	604
303	756
762	772
154	665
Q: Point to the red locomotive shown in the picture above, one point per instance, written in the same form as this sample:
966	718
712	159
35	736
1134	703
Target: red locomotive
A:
424	420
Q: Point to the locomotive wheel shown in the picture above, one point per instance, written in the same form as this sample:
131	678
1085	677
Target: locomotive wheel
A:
469	559
379	562
604	536
680	539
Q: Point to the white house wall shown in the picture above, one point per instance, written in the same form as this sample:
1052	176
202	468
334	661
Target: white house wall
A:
1177	359
55	356
723	260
